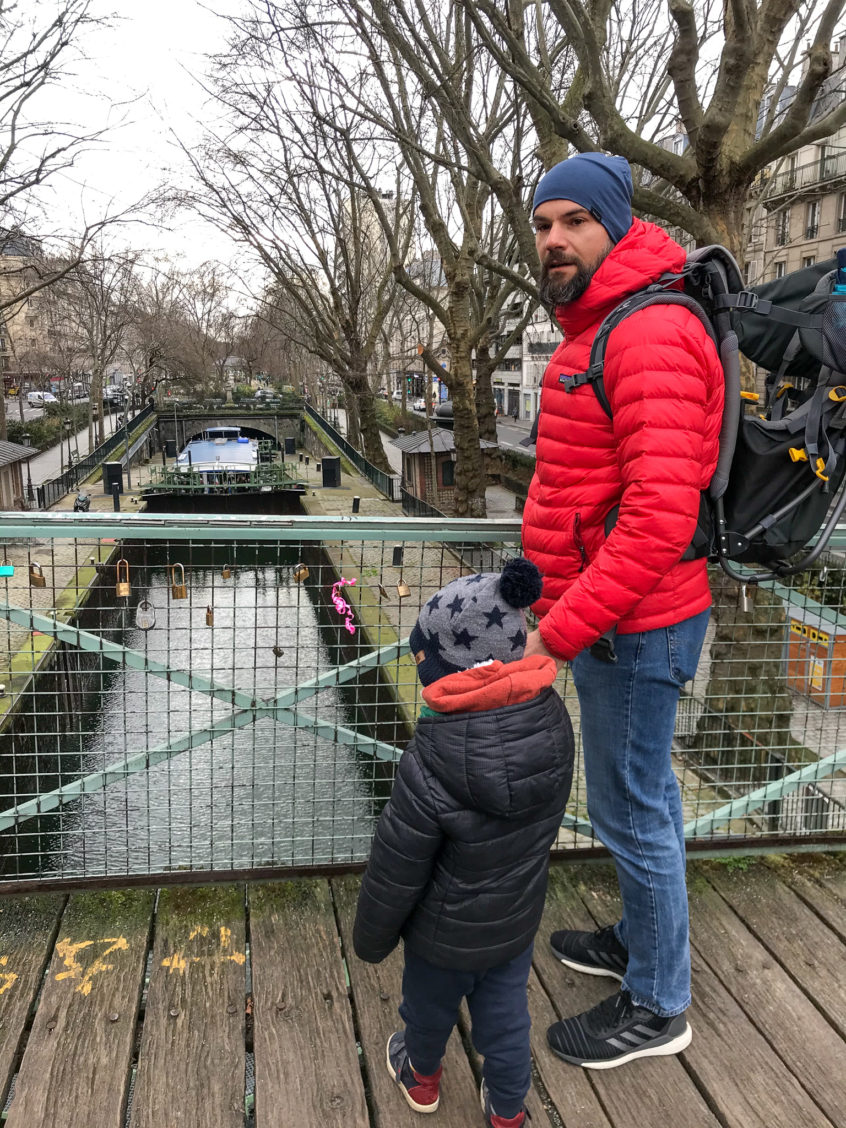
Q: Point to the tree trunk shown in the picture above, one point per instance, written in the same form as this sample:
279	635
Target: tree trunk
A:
469	499
370	434
749	704
485	402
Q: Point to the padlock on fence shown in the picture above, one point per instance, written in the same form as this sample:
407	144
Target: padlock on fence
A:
209	616
300	573
178	588
403	589
227	572
36	575
122	586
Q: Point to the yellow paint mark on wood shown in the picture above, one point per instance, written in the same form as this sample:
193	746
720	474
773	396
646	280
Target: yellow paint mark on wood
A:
67	952
178	961
7	978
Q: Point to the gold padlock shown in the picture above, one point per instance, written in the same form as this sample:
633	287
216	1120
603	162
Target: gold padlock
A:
300	573
178	590
122	586
227	572
403	589
209	616
36	576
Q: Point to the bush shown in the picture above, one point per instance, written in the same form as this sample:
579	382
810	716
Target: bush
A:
391	418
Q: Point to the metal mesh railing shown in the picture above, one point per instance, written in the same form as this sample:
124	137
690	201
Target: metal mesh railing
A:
221	717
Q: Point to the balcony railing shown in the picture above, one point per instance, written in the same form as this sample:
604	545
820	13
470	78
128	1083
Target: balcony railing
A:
805	176
812	231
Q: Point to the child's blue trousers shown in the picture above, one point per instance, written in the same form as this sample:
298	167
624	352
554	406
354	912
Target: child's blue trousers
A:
499	1010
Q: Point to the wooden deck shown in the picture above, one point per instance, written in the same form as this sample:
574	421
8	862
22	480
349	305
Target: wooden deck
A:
220	1007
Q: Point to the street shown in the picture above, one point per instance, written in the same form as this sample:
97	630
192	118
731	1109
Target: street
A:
50	463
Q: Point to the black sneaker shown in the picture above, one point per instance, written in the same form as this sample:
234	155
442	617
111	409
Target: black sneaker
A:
596	953
421	1091
616	1031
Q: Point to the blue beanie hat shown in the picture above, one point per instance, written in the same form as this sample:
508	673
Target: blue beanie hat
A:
602	185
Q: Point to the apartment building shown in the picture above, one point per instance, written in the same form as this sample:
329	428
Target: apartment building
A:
22	325
797	211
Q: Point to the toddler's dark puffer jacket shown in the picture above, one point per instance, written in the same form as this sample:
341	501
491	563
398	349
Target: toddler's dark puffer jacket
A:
460	858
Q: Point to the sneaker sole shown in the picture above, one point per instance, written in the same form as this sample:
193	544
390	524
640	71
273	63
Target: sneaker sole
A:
587	969
673	1045
409	1100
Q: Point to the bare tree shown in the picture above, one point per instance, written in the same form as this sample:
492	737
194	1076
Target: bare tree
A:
423	83
636	72
284	182
96	303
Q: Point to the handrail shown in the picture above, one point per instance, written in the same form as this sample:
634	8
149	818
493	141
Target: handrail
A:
52	489
388	484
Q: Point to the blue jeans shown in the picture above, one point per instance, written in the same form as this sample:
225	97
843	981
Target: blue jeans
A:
628	713
499	1010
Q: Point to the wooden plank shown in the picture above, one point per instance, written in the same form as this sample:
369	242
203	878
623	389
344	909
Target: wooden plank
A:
650	1093
376	994
75	1069
821	883
307	1069
746	1082
27	931
192	1060
770	999
805	946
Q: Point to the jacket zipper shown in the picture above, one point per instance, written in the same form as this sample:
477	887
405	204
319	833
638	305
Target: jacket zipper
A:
577	538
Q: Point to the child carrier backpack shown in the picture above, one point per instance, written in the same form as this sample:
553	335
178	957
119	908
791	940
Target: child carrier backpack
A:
780	472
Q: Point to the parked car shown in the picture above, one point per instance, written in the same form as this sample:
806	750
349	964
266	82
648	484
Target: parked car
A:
40	399
114	393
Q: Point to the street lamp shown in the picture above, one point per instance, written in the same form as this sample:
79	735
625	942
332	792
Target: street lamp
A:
66	428
27	442
126	436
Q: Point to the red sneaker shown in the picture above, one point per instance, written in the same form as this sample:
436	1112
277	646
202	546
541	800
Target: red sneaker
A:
494	1121
419	1089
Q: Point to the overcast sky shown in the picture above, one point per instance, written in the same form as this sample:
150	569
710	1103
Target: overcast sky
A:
137	78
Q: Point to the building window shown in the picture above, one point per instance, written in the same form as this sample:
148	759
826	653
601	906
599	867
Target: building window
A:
448	473
780	268
812	220
809	260
841	212
782	228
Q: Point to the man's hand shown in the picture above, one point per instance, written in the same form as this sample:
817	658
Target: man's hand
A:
535	645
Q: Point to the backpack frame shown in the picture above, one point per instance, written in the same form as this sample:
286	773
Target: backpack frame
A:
769	495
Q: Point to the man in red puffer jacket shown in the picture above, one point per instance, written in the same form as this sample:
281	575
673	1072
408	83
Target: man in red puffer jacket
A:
611	509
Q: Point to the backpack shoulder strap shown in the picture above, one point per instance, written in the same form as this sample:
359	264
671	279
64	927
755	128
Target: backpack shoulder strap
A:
656	294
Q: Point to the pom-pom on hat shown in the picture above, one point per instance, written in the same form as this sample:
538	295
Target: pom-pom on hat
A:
475	619
601	184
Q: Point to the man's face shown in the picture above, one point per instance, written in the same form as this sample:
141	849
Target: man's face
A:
571	246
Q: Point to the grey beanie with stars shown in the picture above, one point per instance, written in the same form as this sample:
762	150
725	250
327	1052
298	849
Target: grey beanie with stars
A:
475	619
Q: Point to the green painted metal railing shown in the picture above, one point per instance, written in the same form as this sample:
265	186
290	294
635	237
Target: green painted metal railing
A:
163	729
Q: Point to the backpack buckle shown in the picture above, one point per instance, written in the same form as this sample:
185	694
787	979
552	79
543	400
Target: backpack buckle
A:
746	300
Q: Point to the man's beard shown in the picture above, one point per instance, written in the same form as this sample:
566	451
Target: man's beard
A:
554	293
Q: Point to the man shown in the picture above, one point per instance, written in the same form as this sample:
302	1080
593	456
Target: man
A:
611	509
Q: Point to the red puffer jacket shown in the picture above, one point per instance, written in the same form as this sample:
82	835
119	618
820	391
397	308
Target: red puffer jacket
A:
665	387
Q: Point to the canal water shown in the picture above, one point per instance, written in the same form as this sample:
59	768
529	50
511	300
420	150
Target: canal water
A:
263	794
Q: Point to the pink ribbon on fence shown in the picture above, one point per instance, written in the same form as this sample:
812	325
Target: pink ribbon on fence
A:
341	605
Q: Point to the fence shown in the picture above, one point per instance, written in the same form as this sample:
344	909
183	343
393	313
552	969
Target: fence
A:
388	484
49	492
227	715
